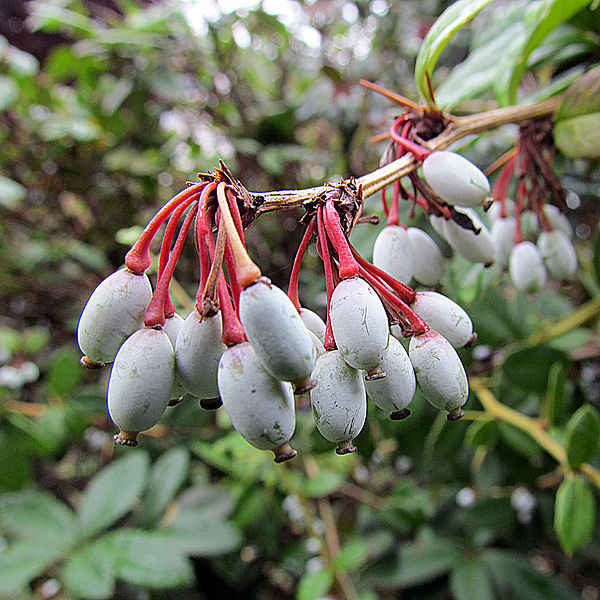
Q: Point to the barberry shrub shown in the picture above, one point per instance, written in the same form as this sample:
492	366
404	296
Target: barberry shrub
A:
425	305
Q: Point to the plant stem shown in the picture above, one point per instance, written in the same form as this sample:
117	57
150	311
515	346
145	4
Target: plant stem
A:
458	128
527	424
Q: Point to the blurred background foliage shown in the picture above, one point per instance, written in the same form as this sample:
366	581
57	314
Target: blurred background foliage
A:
107	107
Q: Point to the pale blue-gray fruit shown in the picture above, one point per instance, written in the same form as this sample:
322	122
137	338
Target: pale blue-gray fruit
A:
339	402
503	234
172	327
394	392
558	254
198	349
444	316
112	313
478	248
428	262
261	408
526	267
359	323
140	383
277	333
313	322
392	252
440	372
455	179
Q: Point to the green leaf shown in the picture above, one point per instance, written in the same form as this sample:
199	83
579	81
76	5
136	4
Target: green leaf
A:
482	433
196	533
582	98
166	477
427	558
112	492
519	580
90	572
582	435
574	512
579	137
22	561
314	585
11	192
38	516
146	561
450	21
65	372
519	440
539	19
554	409
528	369
470	580
352	555
9	92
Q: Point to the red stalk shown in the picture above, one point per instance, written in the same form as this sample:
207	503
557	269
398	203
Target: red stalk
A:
155	313
165	248
138	258
521	191
329	341
293	287
417	151
502	184
386	210
203	230
235	214
348	266
404	292
415	321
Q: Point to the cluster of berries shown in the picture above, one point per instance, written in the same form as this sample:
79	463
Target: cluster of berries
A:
250	346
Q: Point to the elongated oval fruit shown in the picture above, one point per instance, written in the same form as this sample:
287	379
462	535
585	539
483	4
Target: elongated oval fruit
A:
393	254
455	179
439	225
440	372
428	262
261	408
198	349
277	333
318	344
313	322
478	248
558	220
339	402
503	234
526	267
444	316
395	392
172	327
359	324
558	254
493	214
113	312
140	383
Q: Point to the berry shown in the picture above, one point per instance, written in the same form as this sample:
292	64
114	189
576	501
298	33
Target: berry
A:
440	372
140	383
526	267
113	312
277	333
558	254
359	324
261	408
338	401
393	254
476	247
455	179
503	234
427	259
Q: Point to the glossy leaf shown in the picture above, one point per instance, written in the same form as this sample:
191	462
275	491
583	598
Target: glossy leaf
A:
90	572
582	98
583	435
578	137
482	433
166	477
470	580
450	21
528	369
112	492
314	585
574	512
539	20
38	516
554	409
